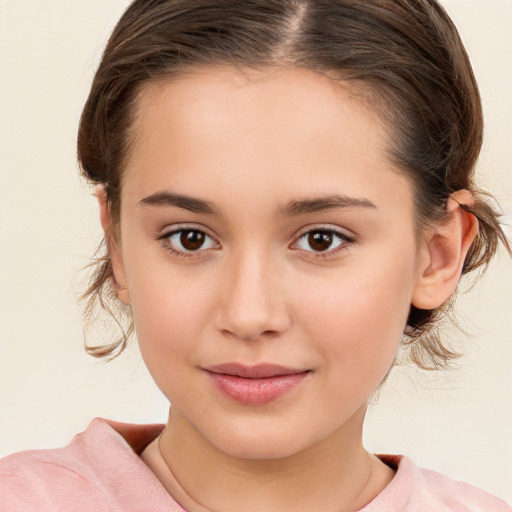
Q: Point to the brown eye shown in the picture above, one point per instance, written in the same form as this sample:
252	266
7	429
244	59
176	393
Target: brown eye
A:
185	241
192	240
320	240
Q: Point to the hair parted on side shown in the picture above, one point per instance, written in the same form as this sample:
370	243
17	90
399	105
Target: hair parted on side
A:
406	52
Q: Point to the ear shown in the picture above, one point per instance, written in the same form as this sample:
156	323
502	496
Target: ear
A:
443	253
118	278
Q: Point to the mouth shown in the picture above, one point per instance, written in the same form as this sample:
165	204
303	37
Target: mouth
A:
254	385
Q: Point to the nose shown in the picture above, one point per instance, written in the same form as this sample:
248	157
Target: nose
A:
252	303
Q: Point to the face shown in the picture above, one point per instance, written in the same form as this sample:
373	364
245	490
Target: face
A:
268	249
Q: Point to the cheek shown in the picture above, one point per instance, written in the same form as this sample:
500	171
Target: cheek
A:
170	309
358	314
170	315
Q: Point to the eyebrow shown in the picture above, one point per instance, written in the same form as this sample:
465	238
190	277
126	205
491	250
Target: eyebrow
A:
293	208
318	204
192	204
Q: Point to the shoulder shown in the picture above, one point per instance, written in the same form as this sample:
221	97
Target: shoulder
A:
415	489
456	495
47	480
85	475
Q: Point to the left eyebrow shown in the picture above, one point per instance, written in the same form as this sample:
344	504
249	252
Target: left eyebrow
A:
318	204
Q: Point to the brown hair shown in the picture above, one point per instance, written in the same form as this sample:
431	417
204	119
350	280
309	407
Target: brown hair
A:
408	52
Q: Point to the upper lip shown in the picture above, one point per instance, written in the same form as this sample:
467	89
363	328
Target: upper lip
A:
259	371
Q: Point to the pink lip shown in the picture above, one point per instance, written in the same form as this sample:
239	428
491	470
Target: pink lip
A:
253	385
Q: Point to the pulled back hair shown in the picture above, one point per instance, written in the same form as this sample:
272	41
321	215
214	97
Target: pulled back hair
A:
406	52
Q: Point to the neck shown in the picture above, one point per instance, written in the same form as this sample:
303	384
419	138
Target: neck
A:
336	474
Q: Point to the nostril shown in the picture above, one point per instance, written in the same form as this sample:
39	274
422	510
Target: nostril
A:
250	335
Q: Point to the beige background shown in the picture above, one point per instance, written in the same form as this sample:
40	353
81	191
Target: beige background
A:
458	423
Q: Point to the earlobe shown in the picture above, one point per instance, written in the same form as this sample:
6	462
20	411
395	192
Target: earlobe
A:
118	278
443	254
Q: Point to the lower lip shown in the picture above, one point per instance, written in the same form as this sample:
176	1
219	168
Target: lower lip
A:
256	391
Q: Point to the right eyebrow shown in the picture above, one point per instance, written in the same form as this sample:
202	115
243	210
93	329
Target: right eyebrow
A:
192	204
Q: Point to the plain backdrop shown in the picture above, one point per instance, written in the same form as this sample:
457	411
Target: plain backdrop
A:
459	422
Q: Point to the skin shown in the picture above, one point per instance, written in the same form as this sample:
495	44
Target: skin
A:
250	144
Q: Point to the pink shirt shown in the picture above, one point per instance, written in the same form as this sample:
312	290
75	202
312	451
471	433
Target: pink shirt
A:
100	470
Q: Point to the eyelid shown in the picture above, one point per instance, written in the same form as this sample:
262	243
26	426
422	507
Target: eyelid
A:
171	230
344	233
349	238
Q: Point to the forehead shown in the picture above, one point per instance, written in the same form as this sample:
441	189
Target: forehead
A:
251	129
224	96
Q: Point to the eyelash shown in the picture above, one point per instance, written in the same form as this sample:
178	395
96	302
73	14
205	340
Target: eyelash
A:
167	245
343	238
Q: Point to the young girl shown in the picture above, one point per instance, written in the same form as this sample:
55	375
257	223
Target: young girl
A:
286	191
